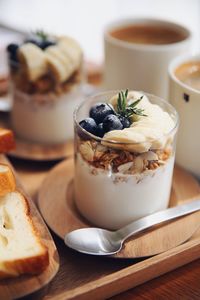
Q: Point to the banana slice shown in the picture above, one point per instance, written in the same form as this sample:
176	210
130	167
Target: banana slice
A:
34	60
60	65
63	59
124	136
55	51
71	49
56	67
127	140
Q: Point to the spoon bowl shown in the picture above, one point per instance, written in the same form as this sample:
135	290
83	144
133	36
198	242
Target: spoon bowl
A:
94	241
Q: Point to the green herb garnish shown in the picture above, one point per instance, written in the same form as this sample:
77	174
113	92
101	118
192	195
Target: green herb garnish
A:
127	110
41	34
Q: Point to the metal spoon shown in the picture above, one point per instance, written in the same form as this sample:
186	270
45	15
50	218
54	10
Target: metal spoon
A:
96	241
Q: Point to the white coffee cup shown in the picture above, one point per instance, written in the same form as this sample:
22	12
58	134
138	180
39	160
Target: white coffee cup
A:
187	102
141	66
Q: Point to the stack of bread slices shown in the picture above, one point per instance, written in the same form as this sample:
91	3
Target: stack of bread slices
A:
21	250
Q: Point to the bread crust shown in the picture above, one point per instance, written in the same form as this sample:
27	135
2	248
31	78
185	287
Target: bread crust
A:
30	265
7	181
7	141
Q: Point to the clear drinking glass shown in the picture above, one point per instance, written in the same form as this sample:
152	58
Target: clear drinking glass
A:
42	111
114	183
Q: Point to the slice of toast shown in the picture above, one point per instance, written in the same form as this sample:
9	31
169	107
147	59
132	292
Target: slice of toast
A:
21	251
7	142
7	180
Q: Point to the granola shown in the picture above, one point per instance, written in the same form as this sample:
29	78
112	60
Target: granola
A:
45	85
120	161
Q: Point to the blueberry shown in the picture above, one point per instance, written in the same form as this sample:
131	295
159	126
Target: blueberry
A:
46	44
36	42
100	131
125	122
43	44
112	122
12	50
89	125
100	110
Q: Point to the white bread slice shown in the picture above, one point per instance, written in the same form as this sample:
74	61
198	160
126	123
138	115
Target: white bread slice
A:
21	251
7	142
7	180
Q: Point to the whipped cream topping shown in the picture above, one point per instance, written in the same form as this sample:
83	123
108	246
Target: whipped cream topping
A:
146	132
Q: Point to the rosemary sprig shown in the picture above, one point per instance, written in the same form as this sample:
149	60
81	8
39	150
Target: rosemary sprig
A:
127	110
41	34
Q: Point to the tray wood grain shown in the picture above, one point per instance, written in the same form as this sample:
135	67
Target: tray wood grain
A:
97	278
20	286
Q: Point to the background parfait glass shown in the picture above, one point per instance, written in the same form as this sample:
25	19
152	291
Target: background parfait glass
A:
42	112
114	183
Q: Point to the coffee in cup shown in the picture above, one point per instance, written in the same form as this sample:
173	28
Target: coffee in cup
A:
149	34
138	52
189	74
184	94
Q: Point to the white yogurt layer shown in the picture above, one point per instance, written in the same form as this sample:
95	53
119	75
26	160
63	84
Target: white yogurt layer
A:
47	123
146	132
112	200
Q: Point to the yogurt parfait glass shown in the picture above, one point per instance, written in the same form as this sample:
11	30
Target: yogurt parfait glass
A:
117	180
46	85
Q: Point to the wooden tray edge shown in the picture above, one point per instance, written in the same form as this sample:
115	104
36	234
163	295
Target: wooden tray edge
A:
53	259
130	277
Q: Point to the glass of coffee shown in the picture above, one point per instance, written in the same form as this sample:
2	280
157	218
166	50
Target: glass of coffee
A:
149	34
138	51
184	94
189	73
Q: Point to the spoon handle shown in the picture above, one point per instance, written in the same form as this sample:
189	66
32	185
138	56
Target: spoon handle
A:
157	218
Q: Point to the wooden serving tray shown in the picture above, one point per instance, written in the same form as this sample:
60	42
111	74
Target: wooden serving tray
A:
14	288
98	278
